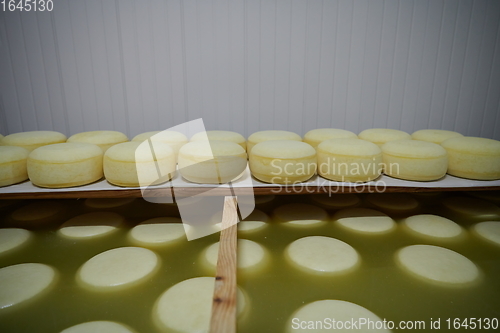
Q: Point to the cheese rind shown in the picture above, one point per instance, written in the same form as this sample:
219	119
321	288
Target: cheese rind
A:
172	138
488	230
103	139
221	136
91	225
99	327
252	257
364	220
33	139
300	215
379	136
316	136
433	226
434	135
271	135
157	231
13	167
12	238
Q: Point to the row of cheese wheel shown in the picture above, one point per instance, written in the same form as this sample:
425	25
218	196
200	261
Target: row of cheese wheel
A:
220	156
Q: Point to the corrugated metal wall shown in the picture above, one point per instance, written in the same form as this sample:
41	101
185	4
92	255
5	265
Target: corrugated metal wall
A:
136	66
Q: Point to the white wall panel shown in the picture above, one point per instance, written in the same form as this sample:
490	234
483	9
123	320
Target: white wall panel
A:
249	65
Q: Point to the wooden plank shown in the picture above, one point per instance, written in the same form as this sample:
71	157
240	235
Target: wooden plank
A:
223	318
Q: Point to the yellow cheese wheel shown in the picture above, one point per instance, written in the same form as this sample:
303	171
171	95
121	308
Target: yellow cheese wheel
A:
172	138
434	135
33	139
221	136
316	136
380	136
103	139
13	167
271	135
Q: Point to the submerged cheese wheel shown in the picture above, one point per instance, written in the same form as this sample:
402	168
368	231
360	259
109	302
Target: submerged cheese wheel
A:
221	136
172	138
100	326
316	136
37	213
434	135
252	257
414	160
13	165
350	160
364	220
118	268
65	165
379	136
104	203
471	207
282	162
473	158
336	201
271	135
186	307
256	221
34	139
322	255
345	317
437	265
22	282
393	203
488	230
12	238
91	225
103	139
432	226
135	164
212	162
300	215
158	231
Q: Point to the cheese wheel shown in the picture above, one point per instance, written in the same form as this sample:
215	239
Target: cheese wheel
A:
434	135
254	222
91	225
13	165
414	160
492	196
221	136
37	213
316	136
349	160
271	135
488	230
364	220
334	315
432	226
24	282
393	203
186	307
13	238
135	164
437	265
33	139
104	203
282	162
379	136
252	257
65	165
172	138
471	207
322	255
99	327
212	162
300	215
336	201
158	232
118	268
473	158
103	139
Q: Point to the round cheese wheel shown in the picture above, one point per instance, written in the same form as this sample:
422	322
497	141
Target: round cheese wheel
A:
172	138
434	135
316	136
393	203
432	226
488	230
105	203
134	164
342	315
100	326
252	257
118	268
473	158
158	231
336	201
91	225
471	207
187	306
23	282
364	220
221	136
65	165
212	162
300	215
254	222
414	160
492	196
322	255
349	160
33	139
12	238
437	265
282	162
13	165
103	139
37	213
379	136
271	135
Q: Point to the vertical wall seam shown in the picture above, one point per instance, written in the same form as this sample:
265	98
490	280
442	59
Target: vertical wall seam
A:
45	75
122	67
435	70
